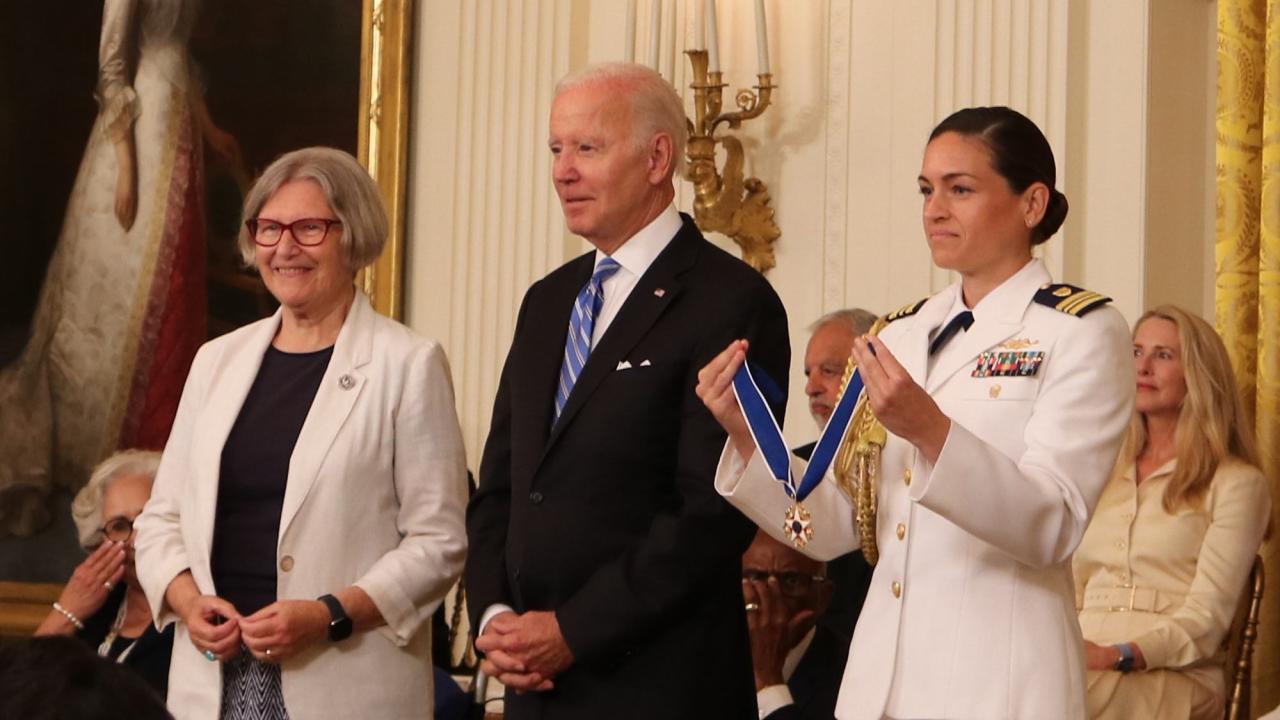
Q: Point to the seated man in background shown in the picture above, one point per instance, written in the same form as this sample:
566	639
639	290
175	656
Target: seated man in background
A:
830	344
798	663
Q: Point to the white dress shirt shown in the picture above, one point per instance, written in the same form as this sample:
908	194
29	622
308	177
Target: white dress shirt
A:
635	256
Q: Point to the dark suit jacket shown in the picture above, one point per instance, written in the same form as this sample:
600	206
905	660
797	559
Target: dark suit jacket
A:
850	575
610	518
815	684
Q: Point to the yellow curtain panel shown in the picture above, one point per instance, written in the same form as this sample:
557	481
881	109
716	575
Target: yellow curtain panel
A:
1247	250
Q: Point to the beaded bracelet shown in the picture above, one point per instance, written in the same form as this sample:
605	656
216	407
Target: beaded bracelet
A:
69	616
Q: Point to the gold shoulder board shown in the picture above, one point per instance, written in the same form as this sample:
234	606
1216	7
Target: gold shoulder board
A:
905	311
1070	299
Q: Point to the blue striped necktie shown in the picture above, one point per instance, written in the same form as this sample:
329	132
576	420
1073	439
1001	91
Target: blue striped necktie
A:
582	322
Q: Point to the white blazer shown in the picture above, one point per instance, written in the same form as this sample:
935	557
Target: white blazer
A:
375	497
971	610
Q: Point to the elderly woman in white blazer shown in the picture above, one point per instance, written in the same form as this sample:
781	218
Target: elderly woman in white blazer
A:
307	515
1004	397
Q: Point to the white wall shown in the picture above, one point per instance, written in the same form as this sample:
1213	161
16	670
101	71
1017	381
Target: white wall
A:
1122	88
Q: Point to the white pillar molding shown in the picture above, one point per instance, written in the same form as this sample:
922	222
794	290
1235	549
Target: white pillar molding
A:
1006	52
484	221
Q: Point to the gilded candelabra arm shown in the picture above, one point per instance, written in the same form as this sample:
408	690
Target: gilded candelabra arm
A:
751	104
725	200
707	94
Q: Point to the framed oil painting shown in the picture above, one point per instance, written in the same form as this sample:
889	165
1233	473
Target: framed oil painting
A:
129	132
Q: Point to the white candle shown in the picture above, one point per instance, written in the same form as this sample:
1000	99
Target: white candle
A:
629	40
713	41
655	32
699	27
762	40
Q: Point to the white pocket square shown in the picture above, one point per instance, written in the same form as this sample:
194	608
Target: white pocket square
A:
624	365
645	363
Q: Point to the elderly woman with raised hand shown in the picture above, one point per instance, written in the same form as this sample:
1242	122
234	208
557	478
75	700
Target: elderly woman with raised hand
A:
1161	568
307	516
103	604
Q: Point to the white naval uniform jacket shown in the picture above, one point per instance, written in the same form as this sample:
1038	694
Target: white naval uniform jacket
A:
971	610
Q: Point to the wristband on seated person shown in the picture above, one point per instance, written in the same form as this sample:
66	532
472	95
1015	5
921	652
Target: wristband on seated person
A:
1125	663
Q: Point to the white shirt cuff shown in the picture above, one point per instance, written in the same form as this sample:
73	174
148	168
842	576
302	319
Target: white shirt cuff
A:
771	698
489	613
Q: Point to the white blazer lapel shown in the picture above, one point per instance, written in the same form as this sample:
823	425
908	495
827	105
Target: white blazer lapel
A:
339	389
227	394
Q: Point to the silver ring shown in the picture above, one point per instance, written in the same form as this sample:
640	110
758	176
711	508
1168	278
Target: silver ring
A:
751	607
208	655
268	652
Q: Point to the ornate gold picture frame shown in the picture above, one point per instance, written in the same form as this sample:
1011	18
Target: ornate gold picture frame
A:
383	119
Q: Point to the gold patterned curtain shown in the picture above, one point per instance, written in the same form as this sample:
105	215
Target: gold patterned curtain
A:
1247	250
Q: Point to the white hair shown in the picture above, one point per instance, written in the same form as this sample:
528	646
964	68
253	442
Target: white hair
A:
655	106
86	509
351	193
857	320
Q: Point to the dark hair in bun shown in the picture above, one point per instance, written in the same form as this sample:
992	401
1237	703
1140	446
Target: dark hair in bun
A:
1020	153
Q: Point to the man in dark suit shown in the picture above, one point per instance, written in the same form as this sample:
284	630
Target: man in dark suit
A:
603	568
825	357
798	662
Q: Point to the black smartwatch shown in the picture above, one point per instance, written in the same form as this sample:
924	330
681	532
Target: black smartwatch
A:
339	623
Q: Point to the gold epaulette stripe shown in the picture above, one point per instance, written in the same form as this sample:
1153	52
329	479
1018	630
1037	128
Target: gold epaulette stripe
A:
905	311
1070	299
1079	301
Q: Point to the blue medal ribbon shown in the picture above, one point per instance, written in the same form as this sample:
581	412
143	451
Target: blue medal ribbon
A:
768	436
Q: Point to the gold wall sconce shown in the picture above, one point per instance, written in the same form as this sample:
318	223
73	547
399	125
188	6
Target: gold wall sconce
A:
726	201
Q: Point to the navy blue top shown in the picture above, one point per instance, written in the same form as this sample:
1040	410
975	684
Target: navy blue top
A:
255	469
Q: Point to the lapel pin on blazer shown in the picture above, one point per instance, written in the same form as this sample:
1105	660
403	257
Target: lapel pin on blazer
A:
659	292
346	382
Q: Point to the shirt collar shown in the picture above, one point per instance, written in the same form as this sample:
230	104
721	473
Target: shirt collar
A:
640	250
797	654
1131	472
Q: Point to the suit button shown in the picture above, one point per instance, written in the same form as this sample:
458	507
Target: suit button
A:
902	531
1120	544
517	573
535	497
906	476
286	563
896	588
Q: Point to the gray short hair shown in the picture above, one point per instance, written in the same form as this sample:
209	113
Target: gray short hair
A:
857	320
86	509
655	106
351	193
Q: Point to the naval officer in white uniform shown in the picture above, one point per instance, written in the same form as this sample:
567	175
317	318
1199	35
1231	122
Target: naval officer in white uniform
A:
1004	397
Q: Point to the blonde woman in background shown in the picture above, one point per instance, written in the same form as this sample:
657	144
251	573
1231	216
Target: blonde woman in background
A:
1160	570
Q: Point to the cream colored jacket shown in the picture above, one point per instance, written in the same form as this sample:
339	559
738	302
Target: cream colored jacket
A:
1170	582
375	498
971	611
